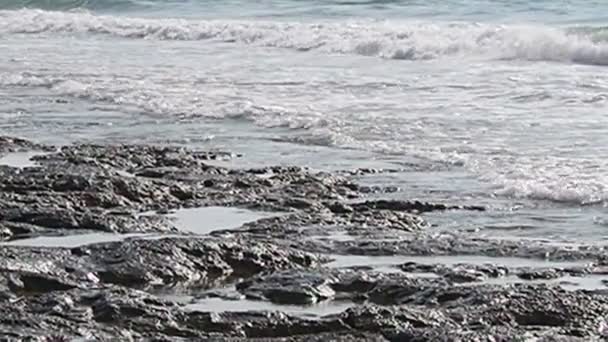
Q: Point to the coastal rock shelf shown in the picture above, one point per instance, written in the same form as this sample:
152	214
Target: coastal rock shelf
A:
134	242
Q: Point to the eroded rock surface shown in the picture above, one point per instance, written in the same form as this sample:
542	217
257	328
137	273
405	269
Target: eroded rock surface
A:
133	289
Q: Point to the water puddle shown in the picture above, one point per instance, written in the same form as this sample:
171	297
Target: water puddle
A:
587	282
72	241
228	299
125	174
345	236
266	175
340	236
207	219
196	220
20	159
391	262
244	305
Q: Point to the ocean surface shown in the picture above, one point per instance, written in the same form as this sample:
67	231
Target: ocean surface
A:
492	102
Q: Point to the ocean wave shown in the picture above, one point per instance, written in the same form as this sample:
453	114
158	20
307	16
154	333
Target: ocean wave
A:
393	40
580	194
559	180
66	5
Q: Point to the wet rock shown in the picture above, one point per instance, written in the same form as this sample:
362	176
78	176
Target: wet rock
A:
27	282
379	189
133	157
139	263
360	283
539	274
436	310
299	203
402	291
12	230
340	208
169	260
96	292
456	244
262	324
391	319
46	218
415	267
410	206
239	183
289	288
14	144
529	306
102	314
464	275
79	182
331	336
27	221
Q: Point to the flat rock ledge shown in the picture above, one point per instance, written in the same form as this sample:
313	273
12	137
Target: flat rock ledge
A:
169	285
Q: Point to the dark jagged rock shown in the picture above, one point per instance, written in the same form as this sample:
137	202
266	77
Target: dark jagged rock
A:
415	206
344	336
14	144
459	245
113	312
140	263
390	320
168	260
289	288
458	273
261	324
81	181
29	282
105	291
539	274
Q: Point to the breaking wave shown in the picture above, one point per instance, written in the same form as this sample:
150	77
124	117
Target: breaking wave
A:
580	194
392	40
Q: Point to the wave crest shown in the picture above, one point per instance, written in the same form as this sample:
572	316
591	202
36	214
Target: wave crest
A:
580	194
402	41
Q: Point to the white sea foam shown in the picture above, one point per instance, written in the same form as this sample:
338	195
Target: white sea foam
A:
563	180
394	40
477	115
556	191
560	180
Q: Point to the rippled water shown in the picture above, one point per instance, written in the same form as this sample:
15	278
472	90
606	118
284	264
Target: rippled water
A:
495	102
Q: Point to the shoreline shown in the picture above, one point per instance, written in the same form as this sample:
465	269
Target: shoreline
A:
328	261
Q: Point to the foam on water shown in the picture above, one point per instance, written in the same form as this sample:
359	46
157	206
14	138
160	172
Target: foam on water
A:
560	179
571	178
591	192
393	40
564	177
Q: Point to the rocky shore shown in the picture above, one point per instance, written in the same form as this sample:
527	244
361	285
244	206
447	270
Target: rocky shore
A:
330	260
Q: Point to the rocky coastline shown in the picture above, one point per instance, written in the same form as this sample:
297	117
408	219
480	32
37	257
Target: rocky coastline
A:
331	260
